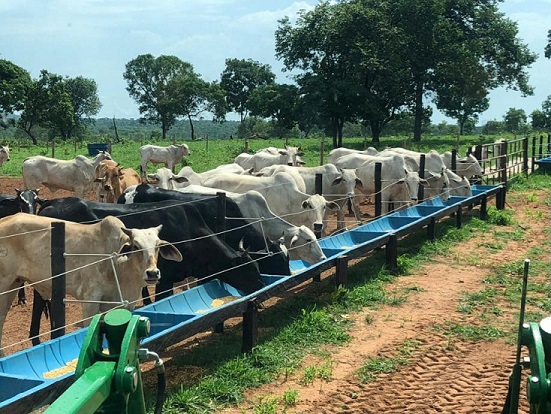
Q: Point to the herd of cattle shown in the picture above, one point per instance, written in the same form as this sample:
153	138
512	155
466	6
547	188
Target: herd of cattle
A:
162	228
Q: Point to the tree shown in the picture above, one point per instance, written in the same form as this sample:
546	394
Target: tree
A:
48	105
493	127
548	46
277	102
318	48
436	27
515	120
239	79
83	94
14	83
539	120
156	84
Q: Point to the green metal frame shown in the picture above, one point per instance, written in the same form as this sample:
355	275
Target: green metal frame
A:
108	382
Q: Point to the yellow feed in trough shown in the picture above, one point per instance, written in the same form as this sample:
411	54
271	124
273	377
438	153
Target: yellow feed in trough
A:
58	372
218	302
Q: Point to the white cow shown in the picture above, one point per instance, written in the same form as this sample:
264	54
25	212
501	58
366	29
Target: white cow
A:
4	154
165	178
337	185
26	241
299	240
398	185
266	157
466	166
198	178
282	194
459	186
336	153
76	175
169	156
438	182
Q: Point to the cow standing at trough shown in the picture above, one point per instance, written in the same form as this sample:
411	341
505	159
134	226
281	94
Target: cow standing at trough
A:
25	201
337	153
26	256
169	156
113	180
76	175
337	185
165	178
399	185
205	254
467	166
300	240
282	194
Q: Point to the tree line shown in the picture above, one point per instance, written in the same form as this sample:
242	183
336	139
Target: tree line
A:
373	63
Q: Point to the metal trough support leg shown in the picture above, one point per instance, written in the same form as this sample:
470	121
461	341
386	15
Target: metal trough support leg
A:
341	271
392	253
250	327
431	229
459	217
500	198
484	207
218	328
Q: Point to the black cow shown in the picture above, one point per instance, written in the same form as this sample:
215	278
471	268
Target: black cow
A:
204	253
237	227
25	201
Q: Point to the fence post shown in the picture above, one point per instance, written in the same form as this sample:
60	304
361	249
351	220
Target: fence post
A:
246	150
318	189
533	153
341	271
392	252
484	207
421	189
431	229
378	187
322	150
250	327
525	155
454	160
53	148
220	228
57	245
540	152
503	162
207	143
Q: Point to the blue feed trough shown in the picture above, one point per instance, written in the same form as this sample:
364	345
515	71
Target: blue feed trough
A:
544	163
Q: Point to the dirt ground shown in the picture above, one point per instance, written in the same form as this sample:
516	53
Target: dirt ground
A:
444	375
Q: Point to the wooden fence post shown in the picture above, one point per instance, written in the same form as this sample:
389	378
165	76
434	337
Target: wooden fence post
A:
525	155
533	153
250	327
540	152
322	150
421	189
318	189
378	187
454	160
57	245
503	162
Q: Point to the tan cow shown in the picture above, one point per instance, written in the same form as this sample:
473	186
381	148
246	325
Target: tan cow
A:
112	181
25	255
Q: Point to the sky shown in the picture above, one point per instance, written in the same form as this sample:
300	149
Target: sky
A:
96	38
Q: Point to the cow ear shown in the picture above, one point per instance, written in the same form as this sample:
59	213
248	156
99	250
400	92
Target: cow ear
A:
125	249
99	180
293	240
179	179
126	231
422	181
359	183
282	152
331	205
169	252
305	204
337	180
18	191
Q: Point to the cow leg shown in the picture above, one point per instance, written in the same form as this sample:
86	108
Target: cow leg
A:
5	304
39	305
21	299
146	299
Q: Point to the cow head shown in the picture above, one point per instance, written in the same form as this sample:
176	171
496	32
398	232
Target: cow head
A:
28	200
347	182
303	245
293	155
315	206
147	242
165	178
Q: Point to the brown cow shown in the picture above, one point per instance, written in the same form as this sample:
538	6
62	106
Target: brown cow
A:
25	255
113	181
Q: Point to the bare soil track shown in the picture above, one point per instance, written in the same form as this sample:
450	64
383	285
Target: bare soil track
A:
443	374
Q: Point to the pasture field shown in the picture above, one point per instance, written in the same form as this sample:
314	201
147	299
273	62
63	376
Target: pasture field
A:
206	155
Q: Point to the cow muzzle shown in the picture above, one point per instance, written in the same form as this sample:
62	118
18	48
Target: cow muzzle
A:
152	276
